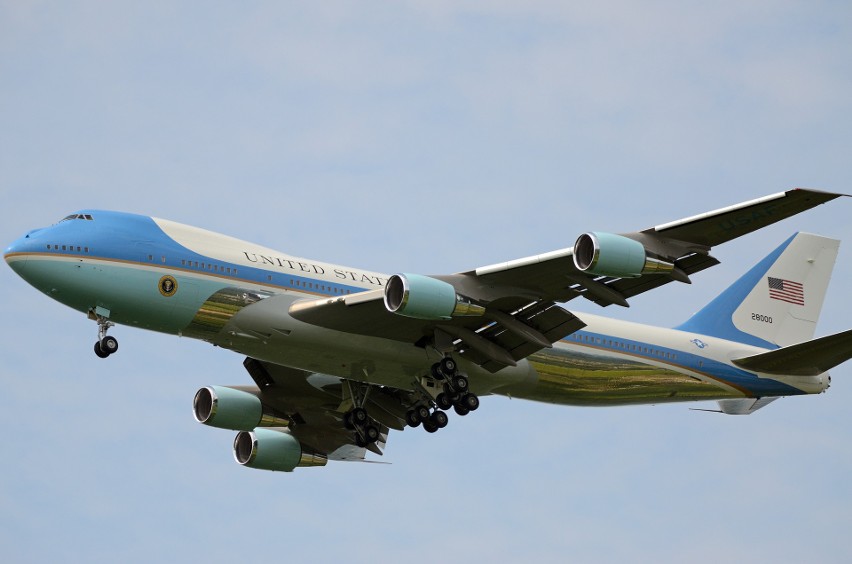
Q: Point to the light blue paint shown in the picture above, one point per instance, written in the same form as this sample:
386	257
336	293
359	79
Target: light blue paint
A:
716	318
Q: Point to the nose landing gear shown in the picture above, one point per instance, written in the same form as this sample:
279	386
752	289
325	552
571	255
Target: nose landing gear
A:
105	345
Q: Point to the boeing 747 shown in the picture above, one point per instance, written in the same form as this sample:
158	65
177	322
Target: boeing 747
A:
340	356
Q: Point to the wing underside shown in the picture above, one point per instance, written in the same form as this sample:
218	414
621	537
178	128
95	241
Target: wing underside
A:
315	403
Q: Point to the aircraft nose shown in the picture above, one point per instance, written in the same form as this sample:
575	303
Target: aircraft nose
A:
15	254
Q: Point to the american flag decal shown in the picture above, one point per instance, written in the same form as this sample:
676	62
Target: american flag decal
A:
786	291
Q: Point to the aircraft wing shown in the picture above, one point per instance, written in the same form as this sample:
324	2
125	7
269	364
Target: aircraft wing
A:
684	243
518	299
315	404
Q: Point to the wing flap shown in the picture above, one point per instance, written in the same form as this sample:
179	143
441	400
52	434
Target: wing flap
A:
629	287
810	358
547	319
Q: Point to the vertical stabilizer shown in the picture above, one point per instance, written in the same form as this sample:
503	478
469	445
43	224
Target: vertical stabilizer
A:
776	303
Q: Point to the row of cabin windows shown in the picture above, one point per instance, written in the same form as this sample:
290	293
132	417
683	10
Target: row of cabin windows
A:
68	248
320	287
203	266
624	346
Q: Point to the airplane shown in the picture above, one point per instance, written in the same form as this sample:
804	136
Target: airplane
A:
340	356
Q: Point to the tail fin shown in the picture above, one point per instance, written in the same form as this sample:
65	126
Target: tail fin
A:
776	303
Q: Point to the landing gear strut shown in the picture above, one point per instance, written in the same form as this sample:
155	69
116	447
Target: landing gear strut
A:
105	345
357	419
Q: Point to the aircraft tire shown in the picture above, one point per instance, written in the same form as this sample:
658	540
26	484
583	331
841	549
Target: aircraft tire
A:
109	345
411	418
470	401
358	416
99	351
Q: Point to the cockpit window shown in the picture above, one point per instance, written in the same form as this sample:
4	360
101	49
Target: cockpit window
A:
85	216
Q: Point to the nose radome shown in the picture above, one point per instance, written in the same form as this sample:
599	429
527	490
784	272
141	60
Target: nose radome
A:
14	254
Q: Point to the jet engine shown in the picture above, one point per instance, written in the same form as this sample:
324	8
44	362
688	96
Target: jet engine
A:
607	254
424	297
276	450
227	408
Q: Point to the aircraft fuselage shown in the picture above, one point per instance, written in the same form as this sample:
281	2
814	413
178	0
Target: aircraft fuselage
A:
176	279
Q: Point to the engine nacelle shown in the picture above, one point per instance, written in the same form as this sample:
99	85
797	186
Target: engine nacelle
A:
276	450
227	408
424	297
607	254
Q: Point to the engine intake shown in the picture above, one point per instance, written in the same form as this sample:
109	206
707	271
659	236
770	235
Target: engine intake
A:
227	408
607	254
424	297
279	451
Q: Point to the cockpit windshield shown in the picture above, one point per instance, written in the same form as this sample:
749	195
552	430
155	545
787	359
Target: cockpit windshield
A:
85	216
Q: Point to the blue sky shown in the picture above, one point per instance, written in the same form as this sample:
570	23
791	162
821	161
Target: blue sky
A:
426	137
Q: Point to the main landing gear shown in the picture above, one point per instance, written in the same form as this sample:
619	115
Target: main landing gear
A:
357	419
105	345
454	394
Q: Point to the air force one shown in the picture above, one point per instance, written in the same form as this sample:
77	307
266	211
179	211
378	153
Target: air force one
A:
340	356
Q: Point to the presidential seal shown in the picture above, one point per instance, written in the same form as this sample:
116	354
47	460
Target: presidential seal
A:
168	286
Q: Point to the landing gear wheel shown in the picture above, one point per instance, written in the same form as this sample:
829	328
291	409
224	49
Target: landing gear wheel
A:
470	402
358	416
429	426
412	418
460	383
359	440
99	351
347	421
448	366
439	419
436	372
444	401
371	433
461	410
109	345
422	413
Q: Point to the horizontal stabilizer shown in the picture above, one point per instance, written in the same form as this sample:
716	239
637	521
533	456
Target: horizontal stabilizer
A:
810	358
743	406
